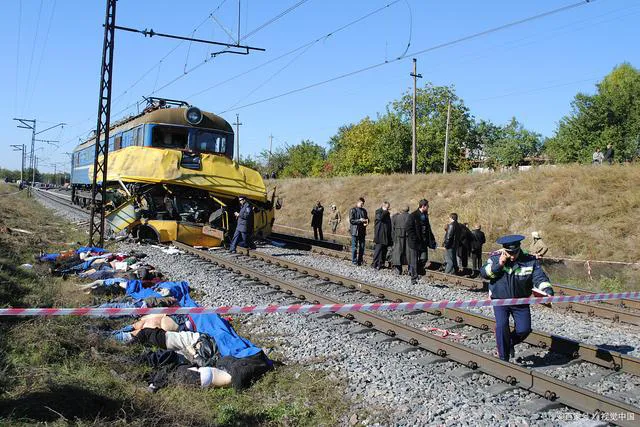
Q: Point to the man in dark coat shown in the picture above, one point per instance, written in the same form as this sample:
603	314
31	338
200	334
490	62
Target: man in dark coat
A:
244	226
476	247
451	242
464	245
399	224
608	155
316	220
358	220
382	236
420	239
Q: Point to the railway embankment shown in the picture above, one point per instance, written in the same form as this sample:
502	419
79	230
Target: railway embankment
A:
583	212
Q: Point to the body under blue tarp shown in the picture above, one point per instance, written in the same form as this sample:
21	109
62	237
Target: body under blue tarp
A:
178	290
227	339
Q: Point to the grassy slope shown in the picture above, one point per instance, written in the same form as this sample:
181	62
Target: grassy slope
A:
581	211
63	370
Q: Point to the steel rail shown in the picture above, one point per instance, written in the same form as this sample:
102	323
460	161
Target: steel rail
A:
609	311
553	343
529	379
61	200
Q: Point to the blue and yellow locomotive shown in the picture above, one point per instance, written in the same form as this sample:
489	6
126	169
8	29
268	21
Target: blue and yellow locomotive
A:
171	176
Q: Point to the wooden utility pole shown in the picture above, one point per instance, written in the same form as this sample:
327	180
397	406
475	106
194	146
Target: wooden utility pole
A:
414	149
270	147
237	124
446	137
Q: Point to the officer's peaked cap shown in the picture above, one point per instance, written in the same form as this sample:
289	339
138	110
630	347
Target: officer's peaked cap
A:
510	242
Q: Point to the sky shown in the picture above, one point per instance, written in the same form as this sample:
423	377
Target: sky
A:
52	51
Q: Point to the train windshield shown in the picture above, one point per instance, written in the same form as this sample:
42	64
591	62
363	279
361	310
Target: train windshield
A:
170	137
210	142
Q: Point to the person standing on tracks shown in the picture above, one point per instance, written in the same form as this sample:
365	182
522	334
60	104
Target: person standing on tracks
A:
464	245
476	247
316	220
399	225
381	235
512	273
451	242
420	239
359	220
335	218
244	226
538	248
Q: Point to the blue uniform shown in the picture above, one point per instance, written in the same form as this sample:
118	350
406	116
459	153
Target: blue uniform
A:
513	280
244	228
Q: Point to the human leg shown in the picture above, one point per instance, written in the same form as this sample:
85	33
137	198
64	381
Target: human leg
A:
522	320
360	250
234	241
377	255
354	258
503	333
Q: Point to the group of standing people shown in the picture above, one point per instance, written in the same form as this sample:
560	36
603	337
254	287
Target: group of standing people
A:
599	157
409	236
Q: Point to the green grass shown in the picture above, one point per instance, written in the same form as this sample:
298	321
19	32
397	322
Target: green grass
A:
57	371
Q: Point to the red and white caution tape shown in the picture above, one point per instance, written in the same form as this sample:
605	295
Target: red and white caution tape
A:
315	308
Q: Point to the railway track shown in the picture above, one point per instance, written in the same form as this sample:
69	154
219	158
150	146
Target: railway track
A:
472	359
626	311
61	199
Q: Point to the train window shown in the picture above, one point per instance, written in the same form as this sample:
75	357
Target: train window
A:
118	142
209	142
140	140
169	137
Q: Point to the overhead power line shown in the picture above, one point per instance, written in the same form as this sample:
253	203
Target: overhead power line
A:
272	20
33	50
418	52
294	50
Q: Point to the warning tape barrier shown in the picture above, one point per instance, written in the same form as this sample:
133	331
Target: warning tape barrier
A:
314	308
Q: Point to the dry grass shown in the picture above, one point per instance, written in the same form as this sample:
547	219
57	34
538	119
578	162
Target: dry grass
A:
581	211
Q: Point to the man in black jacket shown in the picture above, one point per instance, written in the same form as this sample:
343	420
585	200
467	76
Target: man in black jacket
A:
381	235
400	224
420	239
476	247
316	220
359	220
451	241
464	245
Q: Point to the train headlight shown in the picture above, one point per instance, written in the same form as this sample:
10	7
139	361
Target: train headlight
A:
193	115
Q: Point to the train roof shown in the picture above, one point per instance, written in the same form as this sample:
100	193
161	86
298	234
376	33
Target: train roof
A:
170	116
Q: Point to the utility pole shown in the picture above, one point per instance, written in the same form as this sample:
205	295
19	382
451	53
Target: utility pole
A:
237	125
414	144
270	147
99	181
21	149
446	137
31	124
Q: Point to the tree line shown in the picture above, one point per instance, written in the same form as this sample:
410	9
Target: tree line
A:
48	178
383	144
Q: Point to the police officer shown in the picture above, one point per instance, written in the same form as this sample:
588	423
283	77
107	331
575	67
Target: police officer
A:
513	273
244	226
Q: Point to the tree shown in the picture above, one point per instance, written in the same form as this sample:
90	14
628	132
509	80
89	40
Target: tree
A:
509	145
251	163
431	118
304	159
610	116
353	148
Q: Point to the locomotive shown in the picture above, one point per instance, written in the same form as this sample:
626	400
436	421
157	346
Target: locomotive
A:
171	176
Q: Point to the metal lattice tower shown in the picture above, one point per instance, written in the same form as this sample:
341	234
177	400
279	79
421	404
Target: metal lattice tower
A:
96	226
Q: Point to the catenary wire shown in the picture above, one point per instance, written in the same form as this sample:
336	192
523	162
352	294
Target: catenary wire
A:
33	50
272	20
416	53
